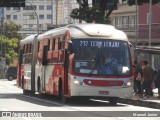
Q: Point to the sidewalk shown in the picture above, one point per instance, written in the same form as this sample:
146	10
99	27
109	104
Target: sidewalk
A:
152	101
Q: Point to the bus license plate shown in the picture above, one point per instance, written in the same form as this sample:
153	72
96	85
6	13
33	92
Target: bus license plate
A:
104	92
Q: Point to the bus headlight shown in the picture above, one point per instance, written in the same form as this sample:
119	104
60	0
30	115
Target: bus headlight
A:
76	82
129	84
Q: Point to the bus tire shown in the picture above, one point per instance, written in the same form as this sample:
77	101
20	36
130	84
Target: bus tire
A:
113	101
31	92
60	89
39	88
63	98
22	83
28	92
25	92
10	78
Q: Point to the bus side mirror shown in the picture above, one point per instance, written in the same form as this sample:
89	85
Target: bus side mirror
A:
45	53
70	48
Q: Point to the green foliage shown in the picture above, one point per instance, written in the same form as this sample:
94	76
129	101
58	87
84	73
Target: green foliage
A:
10	29
9	39
10	46
97	13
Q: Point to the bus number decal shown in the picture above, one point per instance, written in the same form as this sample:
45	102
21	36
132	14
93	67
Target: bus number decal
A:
83	43
99	44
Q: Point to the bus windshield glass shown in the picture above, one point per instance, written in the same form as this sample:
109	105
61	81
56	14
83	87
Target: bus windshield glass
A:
101	57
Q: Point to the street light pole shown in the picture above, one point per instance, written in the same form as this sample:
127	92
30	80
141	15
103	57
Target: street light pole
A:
36	17
136	25
35	14
150	21
80	4
52	13
34	51
35	42
56	13
136	22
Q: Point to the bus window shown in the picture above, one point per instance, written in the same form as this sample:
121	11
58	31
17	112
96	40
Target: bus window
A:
59	44
90	57
26	48
23	49
28	51
44	59
38	45
48	44
53	44
56	44
31	48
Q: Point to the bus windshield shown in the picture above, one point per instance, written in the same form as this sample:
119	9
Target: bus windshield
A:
101	57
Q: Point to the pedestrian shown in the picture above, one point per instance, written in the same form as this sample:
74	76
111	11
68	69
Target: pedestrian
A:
157	82
148	74
137	78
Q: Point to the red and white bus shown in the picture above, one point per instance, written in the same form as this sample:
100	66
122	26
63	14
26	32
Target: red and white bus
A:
71	61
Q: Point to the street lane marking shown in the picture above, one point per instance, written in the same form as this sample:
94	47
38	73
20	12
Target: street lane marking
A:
44	100
4	109
25	118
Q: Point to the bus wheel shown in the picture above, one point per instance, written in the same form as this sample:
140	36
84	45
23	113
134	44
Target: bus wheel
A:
31	92
63	98
10	78
28	92
25	92
113	101
39	88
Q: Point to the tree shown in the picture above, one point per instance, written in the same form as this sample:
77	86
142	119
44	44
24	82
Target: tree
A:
9	47
9	40
10	29
100	12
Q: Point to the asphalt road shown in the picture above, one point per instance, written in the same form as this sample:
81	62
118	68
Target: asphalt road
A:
25	107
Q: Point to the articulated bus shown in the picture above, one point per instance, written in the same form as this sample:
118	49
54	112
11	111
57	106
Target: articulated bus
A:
71	62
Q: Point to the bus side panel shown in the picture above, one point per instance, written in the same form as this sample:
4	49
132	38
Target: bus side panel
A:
53	74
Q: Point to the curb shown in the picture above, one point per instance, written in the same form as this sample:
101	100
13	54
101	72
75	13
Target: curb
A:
140	103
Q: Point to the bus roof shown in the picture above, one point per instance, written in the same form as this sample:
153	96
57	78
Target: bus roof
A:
96	31
29	38
86	30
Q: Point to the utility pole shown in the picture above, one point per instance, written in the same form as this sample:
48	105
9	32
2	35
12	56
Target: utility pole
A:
80	4
56	13
150	21
136	21
136	26
1	59
52	13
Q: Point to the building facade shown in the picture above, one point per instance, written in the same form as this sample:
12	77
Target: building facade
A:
50	13
136	22
143	24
